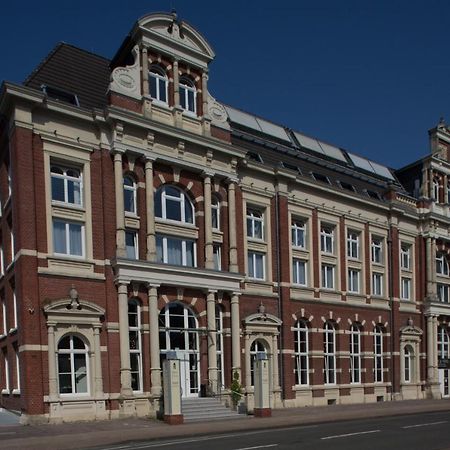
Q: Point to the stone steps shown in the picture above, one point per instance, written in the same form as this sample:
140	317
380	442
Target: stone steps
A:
206	409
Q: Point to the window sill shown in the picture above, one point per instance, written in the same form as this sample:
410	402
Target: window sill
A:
73	206
15	392
5	392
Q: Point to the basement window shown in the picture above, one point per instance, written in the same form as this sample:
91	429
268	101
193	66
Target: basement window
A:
60	95
320	177
290	166
253	156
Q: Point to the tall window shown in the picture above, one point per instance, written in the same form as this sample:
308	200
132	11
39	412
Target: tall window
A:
15	310
255	224
327	239
378	354
443	343
173	204
67	185
188	95
377	250
217	256
298	234
129	195
68	238
353	281
407	361
299	272
135	331
327	276
301	345
329	344
443	292
215	213
6	372
406	289
442	264
131	244
436	189
219	345
355	353
157	80
4	322
73	366
256	347
176	251
405	256
17	361
377	284
256	263
353	244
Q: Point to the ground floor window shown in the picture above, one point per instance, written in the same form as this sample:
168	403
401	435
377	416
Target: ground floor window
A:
301	344
256	347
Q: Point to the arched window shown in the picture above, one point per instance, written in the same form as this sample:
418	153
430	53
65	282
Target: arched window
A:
443	343
436	189
135	332
219	345
67	185
129	194
408	369
157	80
355	353
329	351
215	213
301	343
73	370
173	204
378	354
256	347
188	95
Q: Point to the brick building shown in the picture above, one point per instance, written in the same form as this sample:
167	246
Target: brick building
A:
140	215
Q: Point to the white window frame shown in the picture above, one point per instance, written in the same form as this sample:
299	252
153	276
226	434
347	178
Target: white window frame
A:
14	312
159	74
408	359
443	292
378	354
406	288
405	256
298	234
326	268
4	321
355	354
377	250
165	253
375	291
442	267
66	178
217	256
182	200
354	276
186	86
296	263
327	239
329	339
133	190
16	390
254	216
254	255
215	212
2	261
135	242
67	237
443	343
6	389
436	189
301	335
352	244
11	237
138	351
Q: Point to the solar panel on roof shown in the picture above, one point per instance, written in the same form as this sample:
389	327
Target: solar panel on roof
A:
382	170
362	163
309	143
272	129
242	118
332	152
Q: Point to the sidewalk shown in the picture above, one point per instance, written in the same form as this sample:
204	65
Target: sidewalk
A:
86	435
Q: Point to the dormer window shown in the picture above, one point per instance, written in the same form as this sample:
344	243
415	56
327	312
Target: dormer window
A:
188	95
157	80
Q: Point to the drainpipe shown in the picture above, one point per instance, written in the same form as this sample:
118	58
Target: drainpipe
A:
280	305
391	303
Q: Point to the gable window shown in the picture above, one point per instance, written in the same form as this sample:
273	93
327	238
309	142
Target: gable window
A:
327	276
176	251
378	354
353	244
355	354
377	250
301	346
347	186
255	224
215	213
67	185
73	365
68	238
299	272
157	80
441	264
329	351
256	263
135	339
298	234
327	239
353	281
173	204
129	195
406	289
131	244
320	177
377	284
188	95
405	256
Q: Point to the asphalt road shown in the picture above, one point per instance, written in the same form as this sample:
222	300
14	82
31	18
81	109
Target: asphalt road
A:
426	431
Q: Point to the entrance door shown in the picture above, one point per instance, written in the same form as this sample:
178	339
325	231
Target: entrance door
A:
179	332
444	382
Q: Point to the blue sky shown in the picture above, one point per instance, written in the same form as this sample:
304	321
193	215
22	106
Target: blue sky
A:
369	76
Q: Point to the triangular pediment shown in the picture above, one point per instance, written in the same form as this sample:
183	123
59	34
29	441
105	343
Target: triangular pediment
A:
64	306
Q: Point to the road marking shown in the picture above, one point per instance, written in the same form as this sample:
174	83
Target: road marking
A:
7	432
424	424
350	434
208	438
258	446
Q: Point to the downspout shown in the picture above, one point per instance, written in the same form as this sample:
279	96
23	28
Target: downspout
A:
280	304
391	304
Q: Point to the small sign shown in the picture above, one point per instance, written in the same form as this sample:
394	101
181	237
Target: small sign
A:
444	364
